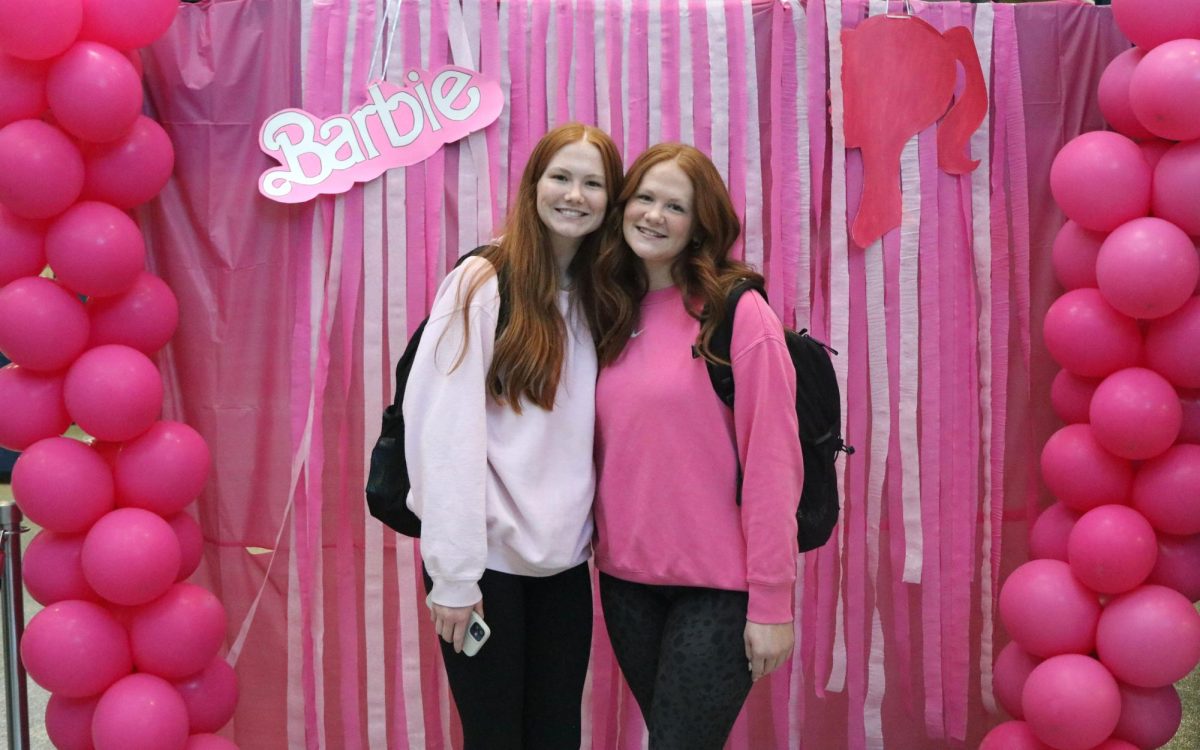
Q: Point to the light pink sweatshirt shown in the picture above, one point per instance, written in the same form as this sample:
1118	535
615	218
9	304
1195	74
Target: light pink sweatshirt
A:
667	457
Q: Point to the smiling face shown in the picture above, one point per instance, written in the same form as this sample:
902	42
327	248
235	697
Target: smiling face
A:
659	220
571	195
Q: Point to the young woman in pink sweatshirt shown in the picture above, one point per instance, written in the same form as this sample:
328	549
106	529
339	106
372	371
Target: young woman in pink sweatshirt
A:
499	429
696	588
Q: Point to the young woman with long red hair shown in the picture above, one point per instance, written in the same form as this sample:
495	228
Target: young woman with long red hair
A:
696	588
499	426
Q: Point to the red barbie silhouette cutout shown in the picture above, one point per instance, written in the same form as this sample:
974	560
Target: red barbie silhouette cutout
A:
898	77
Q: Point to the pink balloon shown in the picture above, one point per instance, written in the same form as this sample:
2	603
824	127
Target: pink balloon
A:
113	392
1135	413
132	23
62	485
22	89
1176	176
209	742
1164	91
24	247
1047	611
191	543
1012	668
1085	335
1149	637
131	556
1149	716
1101	181
1070	395
1080	473
1153	150
144	317
1071	702
135	58
1149	23
95	249
1172	343
211	696
94	92
131	170
39	29
1178	565
1146	268
1113	95
178	634
52	570
1048	538
140	712
75	649
43	327
1190	401
1112	549
69	721
41	169
1012	735
1075	250
33	407
162	470
1115	744
1166	490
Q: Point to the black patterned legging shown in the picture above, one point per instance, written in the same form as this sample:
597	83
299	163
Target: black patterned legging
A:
683	653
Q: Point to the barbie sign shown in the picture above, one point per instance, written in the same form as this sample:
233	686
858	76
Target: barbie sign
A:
397	126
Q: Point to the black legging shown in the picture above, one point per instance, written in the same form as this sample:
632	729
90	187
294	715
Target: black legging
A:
682	651
523	690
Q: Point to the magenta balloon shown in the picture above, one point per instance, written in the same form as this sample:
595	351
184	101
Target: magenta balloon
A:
22	89
135	58
69	721
1146	268
131	556
130	24
41	169
43	327
39	29
140	712
1071	702
209	742
191	543
1149	637
75	649
95	249
1115	744
144	317
1070	395
1085	335
1149	716
1178	565
1172	343
162	470
1080	473
1012	735
1047	611
1149	23
1176	176
1166	490
1189	432
1164	91
1012	668
113	392
33	407
1100	180
94	92
1112	549
1074	258
131	170
52	570
178	634
24	247
1113	95
1153	150
1135	413
210	695
1048	537
62	485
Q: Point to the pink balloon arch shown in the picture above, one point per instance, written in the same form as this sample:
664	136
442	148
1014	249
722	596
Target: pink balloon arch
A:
128	648
1102	620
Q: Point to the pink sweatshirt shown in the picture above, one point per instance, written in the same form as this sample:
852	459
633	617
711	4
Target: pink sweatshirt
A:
667	457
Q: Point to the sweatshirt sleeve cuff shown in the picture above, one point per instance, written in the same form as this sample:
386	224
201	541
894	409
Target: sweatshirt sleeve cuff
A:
455	593
770	604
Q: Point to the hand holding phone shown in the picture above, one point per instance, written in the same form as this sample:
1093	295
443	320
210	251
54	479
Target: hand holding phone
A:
476	634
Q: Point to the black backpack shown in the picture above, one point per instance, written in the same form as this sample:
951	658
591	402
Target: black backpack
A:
387	480
818	410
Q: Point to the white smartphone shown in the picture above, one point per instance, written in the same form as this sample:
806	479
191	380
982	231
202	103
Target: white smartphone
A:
477	631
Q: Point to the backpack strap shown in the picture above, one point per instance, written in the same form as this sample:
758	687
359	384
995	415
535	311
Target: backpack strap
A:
721	343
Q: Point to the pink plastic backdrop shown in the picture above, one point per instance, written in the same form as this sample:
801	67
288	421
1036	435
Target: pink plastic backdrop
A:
291	317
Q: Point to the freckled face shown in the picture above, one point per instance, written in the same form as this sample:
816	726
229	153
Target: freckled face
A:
571	194
659	219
